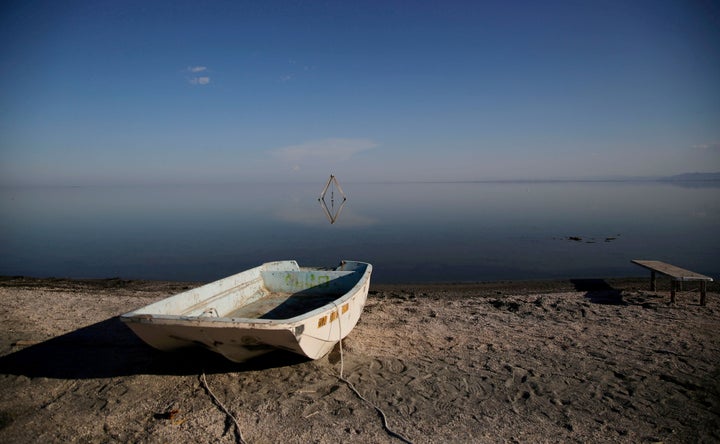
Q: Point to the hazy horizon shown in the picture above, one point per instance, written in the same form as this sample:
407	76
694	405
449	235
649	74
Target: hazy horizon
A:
187	92
714	178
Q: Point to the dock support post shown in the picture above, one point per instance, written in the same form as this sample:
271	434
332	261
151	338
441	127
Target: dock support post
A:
653	287
673	287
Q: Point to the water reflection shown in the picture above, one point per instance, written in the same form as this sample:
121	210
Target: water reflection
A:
410	232
332	214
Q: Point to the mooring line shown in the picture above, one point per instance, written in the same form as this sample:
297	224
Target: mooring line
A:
239	436
387	428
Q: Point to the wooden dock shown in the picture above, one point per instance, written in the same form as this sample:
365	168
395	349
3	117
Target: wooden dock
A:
678	276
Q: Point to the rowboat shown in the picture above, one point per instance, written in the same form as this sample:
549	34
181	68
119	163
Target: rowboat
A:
278	305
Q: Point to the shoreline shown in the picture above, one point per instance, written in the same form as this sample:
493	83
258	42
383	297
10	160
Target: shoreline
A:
555	284
590	360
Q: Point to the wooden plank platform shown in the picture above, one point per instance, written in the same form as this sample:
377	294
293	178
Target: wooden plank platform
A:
678	276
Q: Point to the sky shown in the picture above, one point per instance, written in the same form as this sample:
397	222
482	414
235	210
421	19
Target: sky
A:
135	92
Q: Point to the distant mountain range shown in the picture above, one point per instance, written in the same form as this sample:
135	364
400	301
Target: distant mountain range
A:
685	177
693	177
689	179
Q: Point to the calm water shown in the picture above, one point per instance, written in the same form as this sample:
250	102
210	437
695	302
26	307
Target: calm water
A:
409	232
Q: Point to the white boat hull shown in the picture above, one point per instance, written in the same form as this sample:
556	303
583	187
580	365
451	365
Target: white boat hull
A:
274	306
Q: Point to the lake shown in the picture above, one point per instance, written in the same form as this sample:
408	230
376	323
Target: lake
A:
410	232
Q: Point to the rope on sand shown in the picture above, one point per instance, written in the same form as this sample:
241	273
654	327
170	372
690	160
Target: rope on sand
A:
239	436
387	428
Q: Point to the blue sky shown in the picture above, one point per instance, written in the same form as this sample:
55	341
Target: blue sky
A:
169	92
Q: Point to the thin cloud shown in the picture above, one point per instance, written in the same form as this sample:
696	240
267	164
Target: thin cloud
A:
195	78
200	80
328	150
707	147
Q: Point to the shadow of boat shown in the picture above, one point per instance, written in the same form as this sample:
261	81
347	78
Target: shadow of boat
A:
109	349
598	291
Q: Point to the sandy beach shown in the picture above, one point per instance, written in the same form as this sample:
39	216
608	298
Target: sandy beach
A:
555	361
